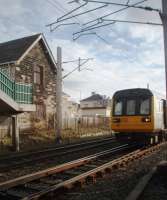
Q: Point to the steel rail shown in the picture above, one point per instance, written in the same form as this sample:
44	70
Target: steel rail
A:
11	188
92	174
52	148
24	180
20	160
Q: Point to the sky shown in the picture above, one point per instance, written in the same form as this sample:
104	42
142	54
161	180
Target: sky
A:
130	55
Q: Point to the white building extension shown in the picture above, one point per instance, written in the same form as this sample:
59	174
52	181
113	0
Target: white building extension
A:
70	111
95	105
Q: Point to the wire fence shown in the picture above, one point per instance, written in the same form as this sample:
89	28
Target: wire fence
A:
86	122
86	126
72	128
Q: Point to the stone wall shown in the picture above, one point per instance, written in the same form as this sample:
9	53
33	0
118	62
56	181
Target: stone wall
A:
44	96
4	127
9	70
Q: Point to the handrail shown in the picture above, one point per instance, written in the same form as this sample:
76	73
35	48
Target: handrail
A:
19	92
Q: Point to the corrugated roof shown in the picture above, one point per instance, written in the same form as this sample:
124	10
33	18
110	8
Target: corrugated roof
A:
12	50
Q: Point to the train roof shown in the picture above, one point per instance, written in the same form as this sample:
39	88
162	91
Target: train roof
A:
135	92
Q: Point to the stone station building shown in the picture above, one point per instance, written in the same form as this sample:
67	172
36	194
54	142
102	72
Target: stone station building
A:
27	83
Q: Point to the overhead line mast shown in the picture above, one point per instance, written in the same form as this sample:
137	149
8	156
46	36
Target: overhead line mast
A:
163	15
59	91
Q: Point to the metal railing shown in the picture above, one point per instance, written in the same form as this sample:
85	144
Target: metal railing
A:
19	92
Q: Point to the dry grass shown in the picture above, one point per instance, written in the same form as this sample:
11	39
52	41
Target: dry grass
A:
5	144
41	137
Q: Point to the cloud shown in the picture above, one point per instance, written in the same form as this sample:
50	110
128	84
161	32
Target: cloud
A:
132	57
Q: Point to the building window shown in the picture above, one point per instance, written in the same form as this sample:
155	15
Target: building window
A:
38	75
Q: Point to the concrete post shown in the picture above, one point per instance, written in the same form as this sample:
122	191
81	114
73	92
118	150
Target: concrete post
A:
164	22
59	96
15	133
163	16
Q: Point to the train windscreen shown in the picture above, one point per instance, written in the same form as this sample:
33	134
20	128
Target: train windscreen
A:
130	107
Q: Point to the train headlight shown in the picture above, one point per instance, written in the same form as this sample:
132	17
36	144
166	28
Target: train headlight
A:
116	120
146	119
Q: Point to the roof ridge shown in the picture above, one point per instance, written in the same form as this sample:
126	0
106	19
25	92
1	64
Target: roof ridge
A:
11	51
37	34
14	51
92	97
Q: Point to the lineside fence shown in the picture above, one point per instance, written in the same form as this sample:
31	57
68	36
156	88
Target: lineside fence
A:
87	126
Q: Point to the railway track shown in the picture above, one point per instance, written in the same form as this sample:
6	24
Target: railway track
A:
66	176
25	158
35	185
56	181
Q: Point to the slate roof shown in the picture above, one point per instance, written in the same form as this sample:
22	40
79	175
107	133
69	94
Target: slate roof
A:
94	97
12	50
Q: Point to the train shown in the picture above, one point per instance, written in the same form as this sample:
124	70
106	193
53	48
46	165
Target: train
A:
139	115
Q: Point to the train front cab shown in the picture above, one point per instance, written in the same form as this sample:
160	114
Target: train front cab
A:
133	116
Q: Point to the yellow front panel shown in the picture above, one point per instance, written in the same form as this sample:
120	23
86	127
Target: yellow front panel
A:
132	124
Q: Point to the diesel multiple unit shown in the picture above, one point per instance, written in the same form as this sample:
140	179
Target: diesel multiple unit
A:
138	115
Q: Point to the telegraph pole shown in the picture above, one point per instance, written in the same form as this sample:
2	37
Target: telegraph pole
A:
59	96
59	80
164	22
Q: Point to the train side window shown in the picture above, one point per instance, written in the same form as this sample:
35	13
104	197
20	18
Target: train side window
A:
131	107
145	107
118	107
161	106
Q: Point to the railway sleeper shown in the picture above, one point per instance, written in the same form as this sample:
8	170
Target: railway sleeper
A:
100	174
59	192
108	170
63	176
50	180
100	162
90	166
79	184
72	173
123	164
115	166
91	179
5	196
35	186
54	179
82	169
16	193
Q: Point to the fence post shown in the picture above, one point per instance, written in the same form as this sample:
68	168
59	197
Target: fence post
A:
15	133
